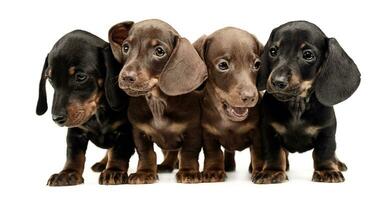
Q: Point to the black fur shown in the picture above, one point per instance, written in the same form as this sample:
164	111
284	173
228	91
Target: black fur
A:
295	119
87	55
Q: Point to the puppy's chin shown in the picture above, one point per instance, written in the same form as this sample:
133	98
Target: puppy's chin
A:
135	93
282	95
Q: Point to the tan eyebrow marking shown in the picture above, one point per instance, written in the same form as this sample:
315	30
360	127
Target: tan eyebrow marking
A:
71	70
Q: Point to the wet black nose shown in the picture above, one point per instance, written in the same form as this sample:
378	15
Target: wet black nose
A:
129	77
247	97
280	82
60	119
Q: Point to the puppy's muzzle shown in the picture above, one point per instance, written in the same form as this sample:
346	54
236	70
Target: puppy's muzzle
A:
60	119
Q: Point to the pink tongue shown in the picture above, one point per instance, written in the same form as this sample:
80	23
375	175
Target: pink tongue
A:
239	110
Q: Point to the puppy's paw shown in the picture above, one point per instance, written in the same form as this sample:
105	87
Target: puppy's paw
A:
341	166
214	176
142	178
98	167
162	168
65	178
188	176
269	177
328	176
113	177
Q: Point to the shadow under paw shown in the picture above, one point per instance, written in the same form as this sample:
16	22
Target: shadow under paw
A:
65	179
328	176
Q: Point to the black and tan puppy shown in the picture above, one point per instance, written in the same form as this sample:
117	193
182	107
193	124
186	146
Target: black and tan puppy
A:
305	73
160	69
76	68
230	107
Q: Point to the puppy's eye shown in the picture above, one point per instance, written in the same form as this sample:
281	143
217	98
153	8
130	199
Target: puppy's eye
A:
159	51
256	65
125	48
273	51
81	77
308	55
223	66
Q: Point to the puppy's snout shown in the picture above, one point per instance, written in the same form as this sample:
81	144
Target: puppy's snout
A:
60	119
129	77
280	82
247	96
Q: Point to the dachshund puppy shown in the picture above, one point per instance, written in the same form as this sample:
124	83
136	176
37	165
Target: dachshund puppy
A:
160	70
305	73
76	68
231	103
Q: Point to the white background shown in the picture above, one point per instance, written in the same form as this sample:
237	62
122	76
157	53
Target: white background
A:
33	148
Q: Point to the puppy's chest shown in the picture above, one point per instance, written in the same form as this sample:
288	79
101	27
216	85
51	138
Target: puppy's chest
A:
103	135
232	135
296	135
155	118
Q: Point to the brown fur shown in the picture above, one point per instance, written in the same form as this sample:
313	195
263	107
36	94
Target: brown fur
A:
234	88
162	88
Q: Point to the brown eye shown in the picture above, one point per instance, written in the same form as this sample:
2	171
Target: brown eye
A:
223	66
125	48
159	51
273	51
256	65
308	55
80	77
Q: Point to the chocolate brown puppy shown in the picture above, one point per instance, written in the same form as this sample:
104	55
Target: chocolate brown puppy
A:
76	68
305	74
231	103
160	70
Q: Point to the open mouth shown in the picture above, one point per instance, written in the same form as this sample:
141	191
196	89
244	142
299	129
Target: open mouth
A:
235	113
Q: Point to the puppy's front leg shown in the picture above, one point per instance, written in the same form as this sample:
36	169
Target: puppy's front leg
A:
275	158
147	163
72	172
116	171
256	153
327	167
189	157
214	160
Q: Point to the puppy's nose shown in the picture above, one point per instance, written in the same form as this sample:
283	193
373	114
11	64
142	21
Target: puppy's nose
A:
280	82
129	77
60	119
247	96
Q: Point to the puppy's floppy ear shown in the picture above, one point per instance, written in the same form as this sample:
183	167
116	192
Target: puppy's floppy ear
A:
339	76
42	101
260	46
116	98
265	70
116	35
201	46
184	70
